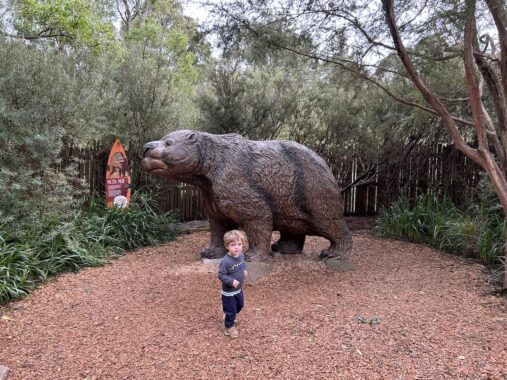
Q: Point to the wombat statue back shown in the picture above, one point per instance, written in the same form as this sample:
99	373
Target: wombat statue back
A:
259	186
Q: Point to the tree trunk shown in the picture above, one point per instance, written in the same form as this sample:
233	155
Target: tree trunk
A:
505	262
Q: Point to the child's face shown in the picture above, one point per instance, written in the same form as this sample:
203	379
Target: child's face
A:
234	248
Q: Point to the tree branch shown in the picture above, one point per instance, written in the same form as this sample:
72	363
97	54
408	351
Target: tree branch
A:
345	67
365	177
495	174
38	36
438	107
497	9
473	87
496	91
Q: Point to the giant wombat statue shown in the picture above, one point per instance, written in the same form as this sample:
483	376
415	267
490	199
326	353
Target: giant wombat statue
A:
260	186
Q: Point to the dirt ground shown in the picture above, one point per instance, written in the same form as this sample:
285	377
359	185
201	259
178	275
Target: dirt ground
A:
406	312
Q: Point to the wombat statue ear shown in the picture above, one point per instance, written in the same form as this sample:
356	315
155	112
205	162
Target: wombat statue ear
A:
192	137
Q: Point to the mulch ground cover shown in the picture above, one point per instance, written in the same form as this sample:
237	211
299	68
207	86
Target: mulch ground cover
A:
406	312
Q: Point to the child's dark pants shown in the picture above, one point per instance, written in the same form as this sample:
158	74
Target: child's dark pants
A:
232	305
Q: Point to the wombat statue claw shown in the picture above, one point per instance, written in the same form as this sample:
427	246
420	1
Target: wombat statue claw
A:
259	186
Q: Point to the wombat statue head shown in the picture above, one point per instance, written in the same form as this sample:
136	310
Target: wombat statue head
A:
175	154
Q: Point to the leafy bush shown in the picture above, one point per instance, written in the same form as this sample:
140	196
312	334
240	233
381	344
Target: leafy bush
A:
67	248
17	269
422	221
477	231
125	229
94	236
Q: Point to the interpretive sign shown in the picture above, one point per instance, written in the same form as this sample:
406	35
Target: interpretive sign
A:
118	181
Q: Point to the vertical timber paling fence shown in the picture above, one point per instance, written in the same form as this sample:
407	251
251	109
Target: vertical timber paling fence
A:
435	168
186	200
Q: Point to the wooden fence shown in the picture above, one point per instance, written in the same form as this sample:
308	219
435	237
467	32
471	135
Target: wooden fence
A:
180	197
434	168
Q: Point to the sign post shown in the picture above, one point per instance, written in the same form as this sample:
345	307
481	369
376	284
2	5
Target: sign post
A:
118	180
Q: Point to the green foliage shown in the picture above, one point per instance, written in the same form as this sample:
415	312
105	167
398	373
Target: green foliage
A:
37	111
256	103
478	231
76	22
420	222
154	80
17	269
66	248
140	225
95	235
51	93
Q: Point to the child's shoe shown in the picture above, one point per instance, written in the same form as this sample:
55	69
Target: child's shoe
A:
233	332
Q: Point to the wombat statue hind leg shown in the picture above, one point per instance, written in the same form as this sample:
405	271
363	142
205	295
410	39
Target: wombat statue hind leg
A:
336	257
338	234
213	253
289	243
338	249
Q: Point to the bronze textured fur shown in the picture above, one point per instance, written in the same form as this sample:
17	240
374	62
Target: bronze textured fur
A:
259	186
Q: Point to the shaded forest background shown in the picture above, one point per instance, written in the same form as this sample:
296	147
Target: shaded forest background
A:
76	72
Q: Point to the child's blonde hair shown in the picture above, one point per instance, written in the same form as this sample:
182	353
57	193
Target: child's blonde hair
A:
233	235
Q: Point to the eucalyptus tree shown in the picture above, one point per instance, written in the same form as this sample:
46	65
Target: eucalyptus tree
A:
158	68
251	89
484	68
265	93
254	101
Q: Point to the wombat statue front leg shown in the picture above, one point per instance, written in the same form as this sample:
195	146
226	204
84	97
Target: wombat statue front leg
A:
216	248
259	238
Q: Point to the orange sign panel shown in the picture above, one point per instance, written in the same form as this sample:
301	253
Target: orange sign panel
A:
118	180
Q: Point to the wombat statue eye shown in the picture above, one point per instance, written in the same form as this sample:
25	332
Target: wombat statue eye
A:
192	137
168	143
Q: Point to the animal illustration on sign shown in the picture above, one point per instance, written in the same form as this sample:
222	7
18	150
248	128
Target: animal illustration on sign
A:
118	180
259	186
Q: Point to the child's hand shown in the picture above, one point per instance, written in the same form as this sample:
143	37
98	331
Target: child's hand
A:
235	284
246	273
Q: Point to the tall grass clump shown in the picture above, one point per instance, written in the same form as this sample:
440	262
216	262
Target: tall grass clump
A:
140	225
92	237
17	269
421	220
476	230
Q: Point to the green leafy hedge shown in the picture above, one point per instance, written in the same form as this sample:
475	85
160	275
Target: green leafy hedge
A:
90	239
477	230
